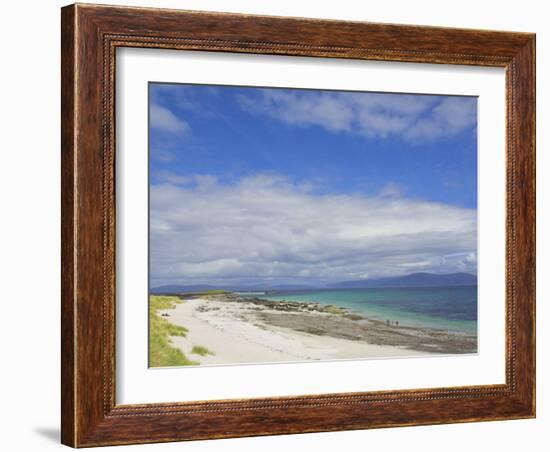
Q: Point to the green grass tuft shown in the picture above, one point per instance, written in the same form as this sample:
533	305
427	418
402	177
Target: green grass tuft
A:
161	351
200	350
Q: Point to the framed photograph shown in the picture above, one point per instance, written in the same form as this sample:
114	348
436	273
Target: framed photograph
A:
281	225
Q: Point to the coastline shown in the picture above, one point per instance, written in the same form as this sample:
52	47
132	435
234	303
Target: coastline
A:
227	328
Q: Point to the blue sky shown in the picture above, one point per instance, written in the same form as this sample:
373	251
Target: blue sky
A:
256	159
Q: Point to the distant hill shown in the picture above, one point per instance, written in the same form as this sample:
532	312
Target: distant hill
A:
288	287
412	280
175	288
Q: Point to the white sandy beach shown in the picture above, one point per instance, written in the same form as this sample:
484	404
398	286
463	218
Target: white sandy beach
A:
235	335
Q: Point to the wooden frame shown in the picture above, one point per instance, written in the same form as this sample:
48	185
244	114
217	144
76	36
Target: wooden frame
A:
90	35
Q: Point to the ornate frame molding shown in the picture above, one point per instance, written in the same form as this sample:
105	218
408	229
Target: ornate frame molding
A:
90	37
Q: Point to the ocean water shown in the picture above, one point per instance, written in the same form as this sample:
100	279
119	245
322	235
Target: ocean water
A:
448	308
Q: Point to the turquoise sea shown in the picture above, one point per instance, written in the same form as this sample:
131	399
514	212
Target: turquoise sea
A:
448	308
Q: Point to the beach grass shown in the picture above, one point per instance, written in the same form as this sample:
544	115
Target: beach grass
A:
202	351
161	351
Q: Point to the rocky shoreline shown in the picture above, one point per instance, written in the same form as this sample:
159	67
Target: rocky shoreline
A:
329	321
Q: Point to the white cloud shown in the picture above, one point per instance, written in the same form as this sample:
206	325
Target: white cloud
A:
163	119
415	118
200	181
391	190
163	155
448	118
172	178
265	228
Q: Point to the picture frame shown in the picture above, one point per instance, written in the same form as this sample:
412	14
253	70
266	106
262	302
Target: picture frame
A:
90	36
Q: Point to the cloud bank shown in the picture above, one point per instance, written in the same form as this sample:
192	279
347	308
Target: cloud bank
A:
264	229
414	118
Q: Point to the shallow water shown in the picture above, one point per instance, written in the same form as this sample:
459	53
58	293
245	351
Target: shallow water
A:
450	308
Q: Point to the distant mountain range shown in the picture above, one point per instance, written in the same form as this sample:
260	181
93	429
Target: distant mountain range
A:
412	280
176	288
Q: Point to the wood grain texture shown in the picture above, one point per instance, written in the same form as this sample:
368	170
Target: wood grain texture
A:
90	36
68	244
